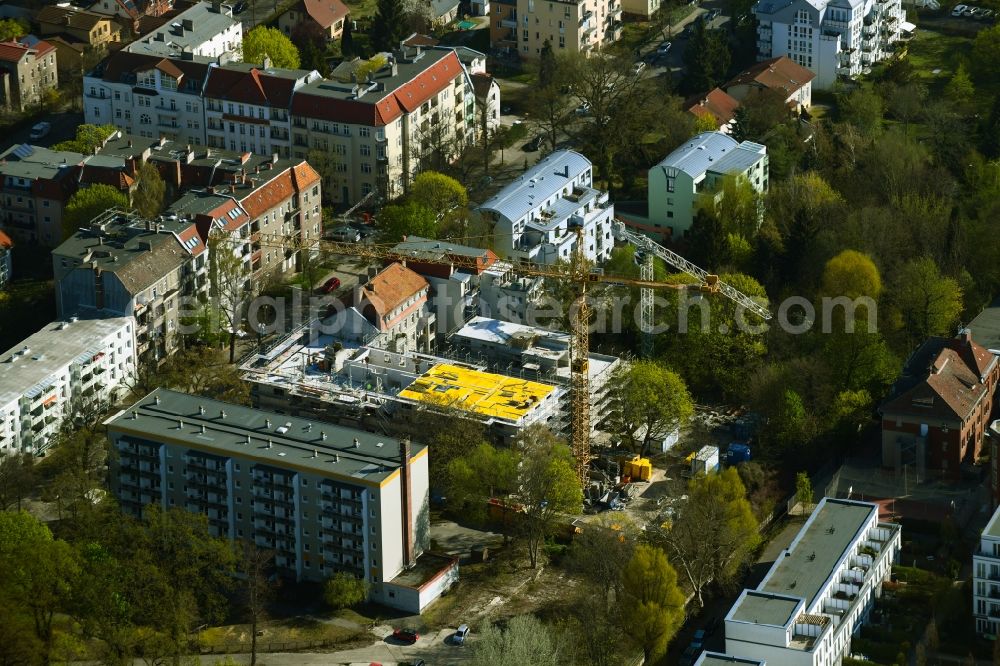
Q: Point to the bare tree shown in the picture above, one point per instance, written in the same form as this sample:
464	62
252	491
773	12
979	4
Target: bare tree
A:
258	588
230	282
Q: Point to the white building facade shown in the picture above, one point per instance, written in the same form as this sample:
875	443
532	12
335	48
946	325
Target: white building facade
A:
537	217
205	29
819	591
838	38
986	579
66	369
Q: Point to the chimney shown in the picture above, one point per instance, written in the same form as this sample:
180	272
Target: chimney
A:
187	24
965	335
407	501
394	69
130	143
274	158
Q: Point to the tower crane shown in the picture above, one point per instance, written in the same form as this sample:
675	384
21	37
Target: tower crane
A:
576	272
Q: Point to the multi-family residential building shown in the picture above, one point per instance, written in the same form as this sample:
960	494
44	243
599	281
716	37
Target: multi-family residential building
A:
570	26
833	38
503	25
35	184
986	579
715	106
780	75
644	9
316	373
378	130
6	259
261	206
75	32
535	353
131	12
389	310
27	70
677	183
205	29
537	217
938	412
149	96
718	659
324	498
247	108
68	369
819	590
484	86
124	266
325	16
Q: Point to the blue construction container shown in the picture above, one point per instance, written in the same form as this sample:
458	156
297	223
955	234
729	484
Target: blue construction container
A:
738	453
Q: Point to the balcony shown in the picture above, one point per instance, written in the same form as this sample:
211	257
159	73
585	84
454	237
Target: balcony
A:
586	16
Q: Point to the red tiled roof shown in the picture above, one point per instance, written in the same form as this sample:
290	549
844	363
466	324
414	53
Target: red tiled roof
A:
325	12
717	102
279	188
405	98
5	241
126	62
417	39
391	288
781	73
12	51
253	87
187	235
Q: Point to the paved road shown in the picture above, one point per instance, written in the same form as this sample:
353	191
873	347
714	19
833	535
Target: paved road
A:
63	127
674	61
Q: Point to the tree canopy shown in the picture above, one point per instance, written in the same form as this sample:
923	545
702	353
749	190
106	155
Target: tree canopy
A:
651	401
150	191
264	41
89	202
653	604
388	25
88	137
408	219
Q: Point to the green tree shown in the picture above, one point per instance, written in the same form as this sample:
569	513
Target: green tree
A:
388	25
763	109
864	109
480	475
651	401
601	552
149	191
230	285
88	203
803	489
984	56
907	102
852	274
408	219
524	642
342	590
17	478
88	137
436	191
787	423
928	303
960	89
714	533
370	66
38	575
653	605
450	433
270	42
707	238
547	486
706	59
547	66
12	28
347	39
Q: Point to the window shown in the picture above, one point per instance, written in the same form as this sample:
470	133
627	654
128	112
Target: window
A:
671	183
364	131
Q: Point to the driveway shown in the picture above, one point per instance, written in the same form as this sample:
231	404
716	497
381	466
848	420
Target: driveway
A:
63	127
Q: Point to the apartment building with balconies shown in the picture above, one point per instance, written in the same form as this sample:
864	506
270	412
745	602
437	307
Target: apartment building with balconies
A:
149	96
35	184
69	368
206	29
322	497
537	217
819	591
247	108
833	38
570	26
986	579
27	71
421	105
125	266
503	24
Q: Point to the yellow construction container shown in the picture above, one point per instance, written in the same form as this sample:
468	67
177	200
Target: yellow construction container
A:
638	469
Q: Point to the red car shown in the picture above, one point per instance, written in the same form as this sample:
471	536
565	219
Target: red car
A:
332	284
405	635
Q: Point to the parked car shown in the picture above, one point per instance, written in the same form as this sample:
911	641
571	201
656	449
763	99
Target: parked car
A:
333	284
974	12
969	12
957	11
713	14
533	145
986	15
638	67
663	49
583	109
460	635
345	234
405	635
39	130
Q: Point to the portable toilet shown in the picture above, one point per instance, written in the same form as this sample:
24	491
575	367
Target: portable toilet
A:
706	460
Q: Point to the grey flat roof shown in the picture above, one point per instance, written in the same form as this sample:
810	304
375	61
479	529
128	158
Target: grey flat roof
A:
437	248
425	569
50	350
537	184
762	608
339	85
198	202
712	151
986	326
745	156
160	414
803	569
206	25
31	162
718	659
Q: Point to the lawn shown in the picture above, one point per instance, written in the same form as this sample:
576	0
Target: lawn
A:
361	8
929	51
291	634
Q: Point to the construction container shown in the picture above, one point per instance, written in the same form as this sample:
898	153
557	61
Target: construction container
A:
706	460
738	453
638	469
